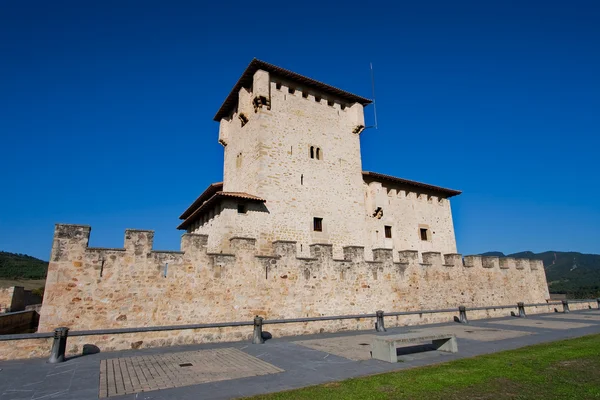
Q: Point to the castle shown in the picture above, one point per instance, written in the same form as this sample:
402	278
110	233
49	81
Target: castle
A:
292	171
296	229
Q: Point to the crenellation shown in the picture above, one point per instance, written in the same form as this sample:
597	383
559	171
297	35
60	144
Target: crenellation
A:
321	251
507	263
408	256
522	263
472	262
242	244
432	258
490	262
536	264
453	260
383	255
139	242
354	253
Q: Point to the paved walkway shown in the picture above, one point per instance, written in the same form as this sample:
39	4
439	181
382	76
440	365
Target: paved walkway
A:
230	370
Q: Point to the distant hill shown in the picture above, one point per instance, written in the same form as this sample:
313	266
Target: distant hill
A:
21	266
571	273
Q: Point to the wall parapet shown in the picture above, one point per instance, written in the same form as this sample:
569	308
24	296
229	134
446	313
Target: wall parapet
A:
173	287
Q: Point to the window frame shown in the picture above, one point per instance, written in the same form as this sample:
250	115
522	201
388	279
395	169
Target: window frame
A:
317	224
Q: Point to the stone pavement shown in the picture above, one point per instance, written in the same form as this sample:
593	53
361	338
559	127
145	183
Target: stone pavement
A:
230	370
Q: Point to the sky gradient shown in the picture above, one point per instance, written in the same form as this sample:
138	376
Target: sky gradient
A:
106	109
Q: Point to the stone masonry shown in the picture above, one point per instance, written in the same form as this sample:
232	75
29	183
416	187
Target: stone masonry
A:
93	288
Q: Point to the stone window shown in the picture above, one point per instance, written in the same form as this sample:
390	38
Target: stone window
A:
242	209
318	224
278	85
316	152
330	103
317	99
424	232
305	94
342	107
388	232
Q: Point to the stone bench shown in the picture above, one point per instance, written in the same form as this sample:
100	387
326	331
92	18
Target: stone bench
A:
384	347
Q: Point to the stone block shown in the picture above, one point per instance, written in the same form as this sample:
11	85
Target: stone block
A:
354	253
490	262
432	257
408	256
383	255
507	263
472	261
453	260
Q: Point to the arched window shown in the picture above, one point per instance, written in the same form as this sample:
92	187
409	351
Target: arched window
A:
312	152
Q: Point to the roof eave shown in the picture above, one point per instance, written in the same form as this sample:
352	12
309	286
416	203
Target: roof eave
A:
257	64
447	192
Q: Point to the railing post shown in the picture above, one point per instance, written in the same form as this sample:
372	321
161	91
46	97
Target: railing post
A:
521	307
59	345
462	315
379	324
257	336
565	304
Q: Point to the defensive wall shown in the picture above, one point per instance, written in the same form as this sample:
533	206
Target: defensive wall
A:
99	288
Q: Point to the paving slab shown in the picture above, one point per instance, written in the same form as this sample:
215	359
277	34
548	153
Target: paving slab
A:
587	316
477	333
79	377
545	324
351	347
126	375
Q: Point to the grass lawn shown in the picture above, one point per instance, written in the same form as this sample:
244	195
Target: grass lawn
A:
568	369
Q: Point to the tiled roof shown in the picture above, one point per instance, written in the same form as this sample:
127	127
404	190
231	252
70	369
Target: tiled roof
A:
213	199
247	77
211	190
433	188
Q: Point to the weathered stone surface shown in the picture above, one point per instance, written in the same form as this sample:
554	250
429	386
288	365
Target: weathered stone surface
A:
201	287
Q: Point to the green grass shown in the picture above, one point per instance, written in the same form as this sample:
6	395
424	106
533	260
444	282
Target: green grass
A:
568	369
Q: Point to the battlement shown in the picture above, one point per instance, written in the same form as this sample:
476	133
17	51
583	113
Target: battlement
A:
71	244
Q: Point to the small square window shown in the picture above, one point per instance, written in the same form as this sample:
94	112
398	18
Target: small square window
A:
388	232
242	209
318	224
278	86
305	94
424	235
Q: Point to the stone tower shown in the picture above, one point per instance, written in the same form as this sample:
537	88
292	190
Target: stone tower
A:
294	143
292	172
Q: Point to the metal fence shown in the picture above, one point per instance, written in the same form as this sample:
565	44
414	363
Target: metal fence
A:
60	334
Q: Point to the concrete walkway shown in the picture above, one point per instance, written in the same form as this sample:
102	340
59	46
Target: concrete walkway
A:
230	370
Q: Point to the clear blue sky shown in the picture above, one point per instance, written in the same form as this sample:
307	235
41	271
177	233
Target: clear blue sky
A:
106	109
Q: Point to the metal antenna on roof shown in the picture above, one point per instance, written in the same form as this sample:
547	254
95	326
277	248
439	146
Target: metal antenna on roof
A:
373	91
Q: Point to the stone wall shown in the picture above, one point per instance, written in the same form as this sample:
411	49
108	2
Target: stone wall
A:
6	295
94	288
14	298
19	322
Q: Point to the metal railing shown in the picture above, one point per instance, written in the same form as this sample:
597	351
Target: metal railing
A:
61	334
